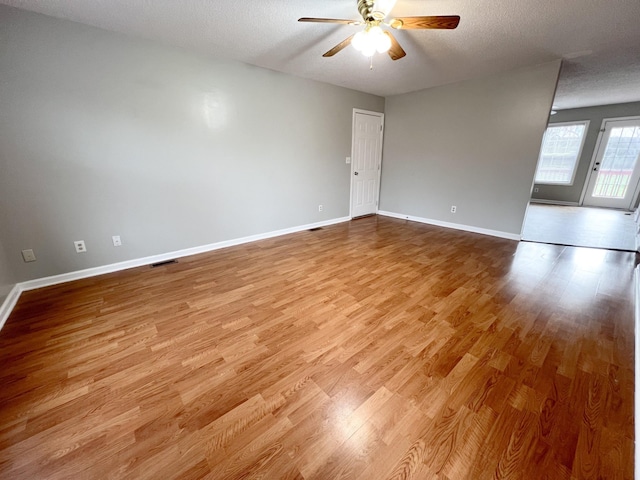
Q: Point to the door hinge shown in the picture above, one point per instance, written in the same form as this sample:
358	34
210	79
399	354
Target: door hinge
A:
603	130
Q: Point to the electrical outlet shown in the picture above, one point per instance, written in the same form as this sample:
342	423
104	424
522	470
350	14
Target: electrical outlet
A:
80	246
116	241
320	208
28	255
453	209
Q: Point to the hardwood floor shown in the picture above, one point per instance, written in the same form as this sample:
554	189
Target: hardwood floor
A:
372	349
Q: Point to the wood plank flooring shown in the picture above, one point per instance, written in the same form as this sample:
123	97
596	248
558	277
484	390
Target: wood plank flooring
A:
375	349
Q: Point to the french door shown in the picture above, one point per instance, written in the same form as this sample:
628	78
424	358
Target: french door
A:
616	168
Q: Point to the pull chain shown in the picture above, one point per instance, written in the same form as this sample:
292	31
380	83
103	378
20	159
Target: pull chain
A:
371	65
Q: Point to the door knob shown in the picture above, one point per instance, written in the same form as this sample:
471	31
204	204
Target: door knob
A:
355	173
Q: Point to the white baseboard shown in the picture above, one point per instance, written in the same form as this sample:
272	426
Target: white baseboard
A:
10	302
456	226
7	306
554	202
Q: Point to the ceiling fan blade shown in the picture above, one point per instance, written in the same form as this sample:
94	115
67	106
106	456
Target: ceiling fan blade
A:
340	46
395	52
329	20
441	22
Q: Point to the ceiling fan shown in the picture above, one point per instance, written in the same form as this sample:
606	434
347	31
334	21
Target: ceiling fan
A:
373	38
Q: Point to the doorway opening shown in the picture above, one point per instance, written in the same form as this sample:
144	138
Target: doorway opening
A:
608	174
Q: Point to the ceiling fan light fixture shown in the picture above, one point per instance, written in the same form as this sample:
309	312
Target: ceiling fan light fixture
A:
371	40
374	39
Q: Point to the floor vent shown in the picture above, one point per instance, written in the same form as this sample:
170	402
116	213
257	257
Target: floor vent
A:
166	262
315	229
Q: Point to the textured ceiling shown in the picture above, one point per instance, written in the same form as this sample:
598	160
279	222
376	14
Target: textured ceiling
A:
599	40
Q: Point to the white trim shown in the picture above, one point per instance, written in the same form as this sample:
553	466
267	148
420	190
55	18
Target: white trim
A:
554	202
353	137
455	226
622	119
6	307
10	302
593	159
636	409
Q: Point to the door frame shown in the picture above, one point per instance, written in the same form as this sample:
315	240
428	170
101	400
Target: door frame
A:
353	144
594	156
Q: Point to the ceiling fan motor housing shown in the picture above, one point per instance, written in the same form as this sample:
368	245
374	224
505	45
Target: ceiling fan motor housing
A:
365	7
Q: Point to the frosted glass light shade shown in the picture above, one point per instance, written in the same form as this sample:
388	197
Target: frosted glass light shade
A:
370	41
369	50
359	40
383	43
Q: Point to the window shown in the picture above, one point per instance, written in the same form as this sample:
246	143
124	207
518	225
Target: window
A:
561	147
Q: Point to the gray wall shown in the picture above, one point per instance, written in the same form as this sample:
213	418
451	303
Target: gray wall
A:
473	144
102	134
572	193
7	278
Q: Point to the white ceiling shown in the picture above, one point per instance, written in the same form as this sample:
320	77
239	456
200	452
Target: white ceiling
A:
599	40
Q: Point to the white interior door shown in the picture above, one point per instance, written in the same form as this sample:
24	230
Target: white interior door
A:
616	169
366	162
